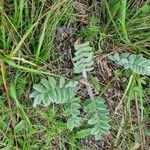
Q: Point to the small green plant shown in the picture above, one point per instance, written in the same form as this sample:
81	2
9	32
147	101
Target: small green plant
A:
50	91
137	63
95	109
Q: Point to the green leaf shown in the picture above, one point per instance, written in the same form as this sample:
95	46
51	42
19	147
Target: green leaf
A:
92	120
50	91
45	83
83	60
38	99
72	109
137	63
59	95
40	88
20	126
72	112
52	82
97	117
62	82
73	122
34	94
46	100
83	133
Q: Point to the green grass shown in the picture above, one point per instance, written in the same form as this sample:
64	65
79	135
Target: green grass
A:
31	48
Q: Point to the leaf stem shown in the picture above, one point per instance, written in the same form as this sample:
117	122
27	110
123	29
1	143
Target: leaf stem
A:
89	89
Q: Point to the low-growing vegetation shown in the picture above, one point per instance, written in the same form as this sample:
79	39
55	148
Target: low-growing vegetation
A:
74	75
